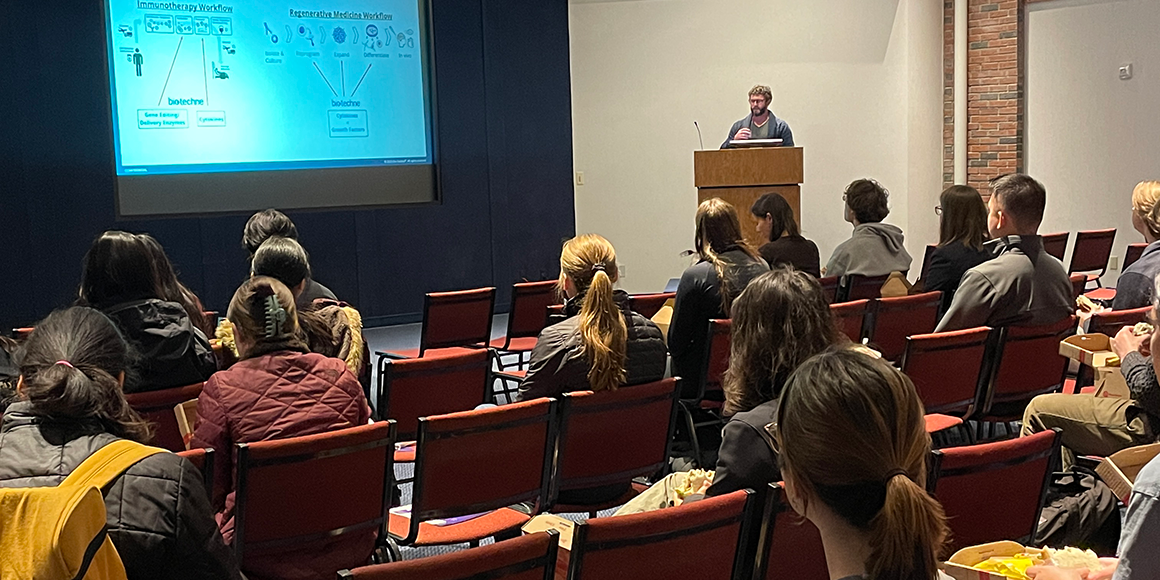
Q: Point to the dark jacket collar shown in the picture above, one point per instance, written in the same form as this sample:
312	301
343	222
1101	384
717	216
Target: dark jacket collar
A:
573	304
1030	244
21	414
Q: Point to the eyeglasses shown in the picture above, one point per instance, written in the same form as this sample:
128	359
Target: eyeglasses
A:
938	210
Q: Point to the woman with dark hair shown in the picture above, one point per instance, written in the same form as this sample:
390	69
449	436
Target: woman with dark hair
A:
725	265
775	223
70	406
171	289
875	248
276	390
853	448
962	231
128	277
269	223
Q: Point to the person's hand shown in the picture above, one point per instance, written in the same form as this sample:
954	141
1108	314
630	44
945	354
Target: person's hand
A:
704	487
1108	570
1126	341
742	134
1057	573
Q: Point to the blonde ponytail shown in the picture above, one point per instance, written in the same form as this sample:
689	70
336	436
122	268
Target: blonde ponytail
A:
589	261
906	532
603	335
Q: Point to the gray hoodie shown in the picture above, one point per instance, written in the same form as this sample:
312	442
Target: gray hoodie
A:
874	249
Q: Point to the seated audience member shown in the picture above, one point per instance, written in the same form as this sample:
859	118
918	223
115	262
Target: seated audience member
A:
330	328
853	449
779	321
602	344
1022	285
1138	559
277	390
875	248
1134	289
271	222
962	231
9	374
128	277
1093	425
70	406
775	222
725	265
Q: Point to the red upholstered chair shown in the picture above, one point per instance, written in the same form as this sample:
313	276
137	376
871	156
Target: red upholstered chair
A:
1078	285
157	408
528	557
1132	254
202	459
994	491
851	317
891	320
280	483
1110	322
478	462
855	287
709	392
593	430
1056	244
647	305
830	285
1026	364
419	387
789	546
1091	252
526	318
701	539
950	370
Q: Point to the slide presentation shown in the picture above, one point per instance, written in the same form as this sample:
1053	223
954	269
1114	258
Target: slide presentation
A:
203	88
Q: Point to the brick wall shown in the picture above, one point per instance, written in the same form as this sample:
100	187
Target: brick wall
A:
995	85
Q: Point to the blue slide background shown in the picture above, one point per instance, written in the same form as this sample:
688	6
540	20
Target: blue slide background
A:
282	94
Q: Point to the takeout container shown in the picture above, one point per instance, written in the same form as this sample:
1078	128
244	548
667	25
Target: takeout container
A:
1095	350
1119	470
959	566
565	527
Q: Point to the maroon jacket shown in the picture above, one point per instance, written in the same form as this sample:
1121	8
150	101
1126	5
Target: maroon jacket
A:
275	396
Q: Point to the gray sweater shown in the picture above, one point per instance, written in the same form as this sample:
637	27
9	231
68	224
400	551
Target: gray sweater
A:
874	249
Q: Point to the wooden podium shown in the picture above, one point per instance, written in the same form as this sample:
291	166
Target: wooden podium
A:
740	176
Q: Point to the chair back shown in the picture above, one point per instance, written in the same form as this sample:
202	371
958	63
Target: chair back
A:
157	408
856	287
1078	285
527	557
926	254
280	481
461	318
1092	250
1132	254
994	491
830	285
595	426
202	459
1026	364
419	387
1056	244
1110	322
927	359
894	319
477	461
529	302
647	305
717	345
851	317
789	545
701	539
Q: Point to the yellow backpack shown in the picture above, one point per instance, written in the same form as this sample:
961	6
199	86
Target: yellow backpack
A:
58	533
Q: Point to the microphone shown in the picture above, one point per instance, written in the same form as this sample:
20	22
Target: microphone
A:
699	134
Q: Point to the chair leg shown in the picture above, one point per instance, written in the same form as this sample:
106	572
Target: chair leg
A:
692	428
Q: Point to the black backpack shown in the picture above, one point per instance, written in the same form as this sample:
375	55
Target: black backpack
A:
1079	512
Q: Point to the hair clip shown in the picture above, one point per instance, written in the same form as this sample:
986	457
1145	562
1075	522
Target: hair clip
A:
275	316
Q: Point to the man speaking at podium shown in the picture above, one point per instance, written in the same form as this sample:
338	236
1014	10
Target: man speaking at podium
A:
760	123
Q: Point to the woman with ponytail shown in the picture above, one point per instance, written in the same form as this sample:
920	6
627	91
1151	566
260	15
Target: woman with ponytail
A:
69	405
602	344
277	389
1135	286
725	265
853	448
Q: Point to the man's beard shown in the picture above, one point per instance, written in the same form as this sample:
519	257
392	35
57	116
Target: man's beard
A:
757	112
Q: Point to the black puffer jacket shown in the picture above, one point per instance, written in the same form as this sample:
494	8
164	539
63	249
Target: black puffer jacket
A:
173	352
158	513
558	366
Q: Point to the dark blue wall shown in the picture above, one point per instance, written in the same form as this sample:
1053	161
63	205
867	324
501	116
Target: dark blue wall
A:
505	149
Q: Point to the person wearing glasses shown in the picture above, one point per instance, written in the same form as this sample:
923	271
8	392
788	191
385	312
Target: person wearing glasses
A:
761	123
962	231
874	248
853	447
